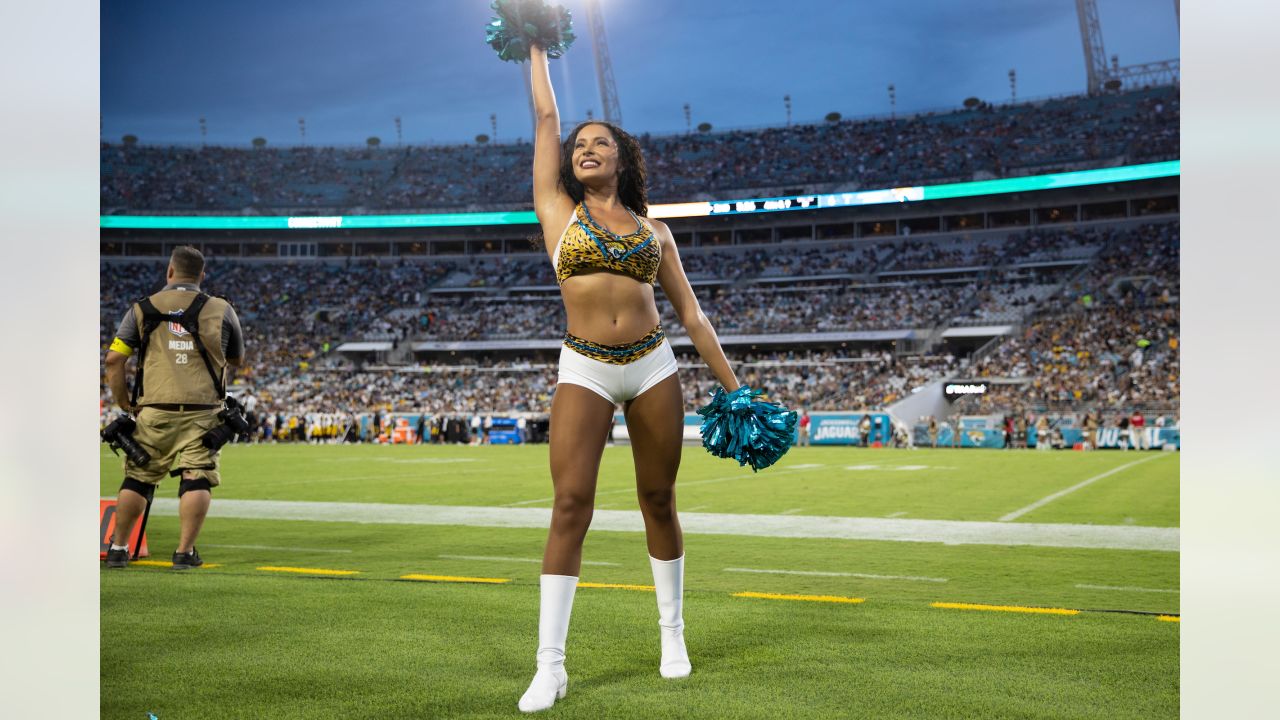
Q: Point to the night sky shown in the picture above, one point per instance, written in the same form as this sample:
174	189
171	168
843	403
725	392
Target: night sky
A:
254	68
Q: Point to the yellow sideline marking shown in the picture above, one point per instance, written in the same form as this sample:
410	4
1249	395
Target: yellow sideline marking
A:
162	563
309	571
455	578
1006	608
614	586
1169	618
808	598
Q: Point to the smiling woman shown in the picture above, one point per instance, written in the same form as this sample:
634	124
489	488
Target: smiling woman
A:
589	194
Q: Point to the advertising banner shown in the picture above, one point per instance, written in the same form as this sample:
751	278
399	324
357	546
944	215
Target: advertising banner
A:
1152	438
845	429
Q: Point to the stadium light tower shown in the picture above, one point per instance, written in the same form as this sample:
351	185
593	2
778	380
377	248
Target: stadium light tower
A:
302	129
604	66
1099	76
399	132
893	102
688	119
786	100
493	125
204	130
1013	85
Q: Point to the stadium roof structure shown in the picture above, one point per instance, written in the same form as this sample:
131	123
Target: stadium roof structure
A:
367	346
1052	181
978	331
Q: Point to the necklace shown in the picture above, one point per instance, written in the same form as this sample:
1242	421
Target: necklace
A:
605	228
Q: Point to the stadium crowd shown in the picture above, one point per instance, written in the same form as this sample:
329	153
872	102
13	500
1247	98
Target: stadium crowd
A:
1108	340
987	141
1079	348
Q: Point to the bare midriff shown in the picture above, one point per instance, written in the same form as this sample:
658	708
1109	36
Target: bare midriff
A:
609	308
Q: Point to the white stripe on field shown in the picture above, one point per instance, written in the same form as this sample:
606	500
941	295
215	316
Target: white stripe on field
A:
1046	500
1126	589
954	532
679	486
897	514
792	511
837	574
273	547
516	559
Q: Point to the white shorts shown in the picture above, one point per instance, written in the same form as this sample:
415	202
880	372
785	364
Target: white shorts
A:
617	383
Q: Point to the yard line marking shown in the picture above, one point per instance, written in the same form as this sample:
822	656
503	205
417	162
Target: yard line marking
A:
1046	500
615	586
1169	618
308	571
527	502
1127	589
955	532
162	563
897	514
455	578
1005	608
805	598
806	466
792	511
273	547
819	573
453	473
516	559
695	509
426	461
679	485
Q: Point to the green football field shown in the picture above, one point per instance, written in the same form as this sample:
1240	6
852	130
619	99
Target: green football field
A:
390	582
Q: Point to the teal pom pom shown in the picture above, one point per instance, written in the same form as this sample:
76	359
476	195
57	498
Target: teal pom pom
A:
753	432
521	24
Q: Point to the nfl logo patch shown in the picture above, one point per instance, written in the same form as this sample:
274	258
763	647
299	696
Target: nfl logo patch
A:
176	328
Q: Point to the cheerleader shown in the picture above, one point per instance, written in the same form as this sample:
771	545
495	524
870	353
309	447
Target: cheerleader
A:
590	199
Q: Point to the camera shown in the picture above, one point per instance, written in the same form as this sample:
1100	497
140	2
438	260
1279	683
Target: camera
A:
233	423
118	435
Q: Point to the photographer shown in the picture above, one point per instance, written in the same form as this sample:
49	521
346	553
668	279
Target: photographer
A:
184	340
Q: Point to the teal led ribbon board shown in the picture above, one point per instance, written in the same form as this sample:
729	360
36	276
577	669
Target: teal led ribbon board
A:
1102	176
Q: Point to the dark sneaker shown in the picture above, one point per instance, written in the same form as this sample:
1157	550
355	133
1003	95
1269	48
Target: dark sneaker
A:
118	558
187	560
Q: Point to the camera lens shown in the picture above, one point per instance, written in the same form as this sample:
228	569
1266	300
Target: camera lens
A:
134	451
217	437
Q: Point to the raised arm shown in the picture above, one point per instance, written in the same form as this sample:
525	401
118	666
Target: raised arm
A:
676	285
550	202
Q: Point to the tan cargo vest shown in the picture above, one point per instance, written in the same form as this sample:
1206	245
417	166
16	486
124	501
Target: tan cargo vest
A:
174	372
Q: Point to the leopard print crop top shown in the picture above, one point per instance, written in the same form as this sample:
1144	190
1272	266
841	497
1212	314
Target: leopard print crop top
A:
586	245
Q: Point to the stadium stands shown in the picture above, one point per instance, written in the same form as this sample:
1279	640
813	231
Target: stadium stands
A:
1078	348
1066	133
1109	339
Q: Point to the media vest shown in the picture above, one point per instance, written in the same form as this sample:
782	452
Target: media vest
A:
170	367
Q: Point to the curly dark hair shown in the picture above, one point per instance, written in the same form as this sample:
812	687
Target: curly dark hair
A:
632	178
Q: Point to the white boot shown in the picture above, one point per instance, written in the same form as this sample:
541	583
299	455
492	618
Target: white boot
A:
668	581
551	682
